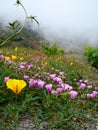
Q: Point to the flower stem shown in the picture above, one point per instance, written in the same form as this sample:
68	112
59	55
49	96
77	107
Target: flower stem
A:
16	113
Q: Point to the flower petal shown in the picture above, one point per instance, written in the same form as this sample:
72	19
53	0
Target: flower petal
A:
21	85
12	84
16	85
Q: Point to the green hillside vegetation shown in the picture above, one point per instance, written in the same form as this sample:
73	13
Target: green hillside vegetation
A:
59	89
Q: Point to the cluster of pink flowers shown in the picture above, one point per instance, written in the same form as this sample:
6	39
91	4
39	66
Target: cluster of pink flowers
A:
24	65
85	84
52	83
92	95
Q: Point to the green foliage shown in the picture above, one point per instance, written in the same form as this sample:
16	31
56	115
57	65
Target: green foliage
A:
14	26
53	50
92	55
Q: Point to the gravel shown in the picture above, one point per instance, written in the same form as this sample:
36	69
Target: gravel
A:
27	123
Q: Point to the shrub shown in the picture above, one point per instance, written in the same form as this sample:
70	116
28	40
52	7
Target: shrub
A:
53	50
92	55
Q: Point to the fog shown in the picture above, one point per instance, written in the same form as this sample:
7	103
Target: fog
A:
70	23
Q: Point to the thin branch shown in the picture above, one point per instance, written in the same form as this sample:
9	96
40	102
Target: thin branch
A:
18	32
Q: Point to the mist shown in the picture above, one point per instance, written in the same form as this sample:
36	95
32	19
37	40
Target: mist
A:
70	23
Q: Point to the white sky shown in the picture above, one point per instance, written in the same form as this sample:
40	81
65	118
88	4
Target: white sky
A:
59	15
55	13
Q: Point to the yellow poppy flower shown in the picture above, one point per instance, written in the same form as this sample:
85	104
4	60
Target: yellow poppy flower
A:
7	58
14	57
15	85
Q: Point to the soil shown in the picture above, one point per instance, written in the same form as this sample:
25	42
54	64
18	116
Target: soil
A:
27	123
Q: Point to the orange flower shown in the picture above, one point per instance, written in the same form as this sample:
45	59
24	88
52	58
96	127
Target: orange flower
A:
15	85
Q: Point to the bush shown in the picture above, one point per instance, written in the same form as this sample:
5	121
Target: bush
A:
92	55
53	50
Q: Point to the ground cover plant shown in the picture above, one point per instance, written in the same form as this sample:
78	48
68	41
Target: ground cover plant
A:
56	89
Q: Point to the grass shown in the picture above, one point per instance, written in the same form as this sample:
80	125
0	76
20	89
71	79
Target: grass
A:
56	107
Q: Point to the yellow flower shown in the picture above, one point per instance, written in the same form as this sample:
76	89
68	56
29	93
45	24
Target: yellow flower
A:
21	58
46	63
16	48
71	63
7	58
15	85
14	57
52	68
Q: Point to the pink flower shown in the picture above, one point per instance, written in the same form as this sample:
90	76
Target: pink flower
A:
88	95
57	80
1	57
37	75
40	84
89	86
73	94
59	90
49	87
78	83
21	67
10	62
32	83
80	80
6	79
53	92
94	94
29	66
52	75
82	86
86	81
96	127
67	87
26	77
61	73
91	83
38	68
23	63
